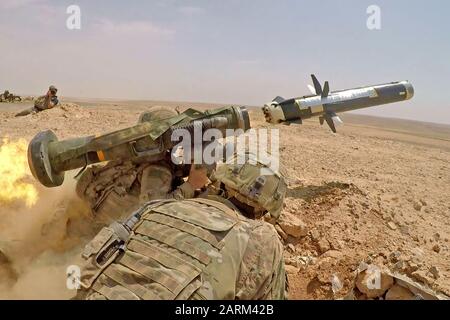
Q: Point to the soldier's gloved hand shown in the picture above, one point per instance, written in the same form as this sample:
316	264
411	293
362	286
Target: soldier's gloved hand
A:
198	177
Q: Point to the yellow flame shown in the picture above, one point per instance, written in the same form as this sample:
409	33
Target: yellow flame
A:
13	170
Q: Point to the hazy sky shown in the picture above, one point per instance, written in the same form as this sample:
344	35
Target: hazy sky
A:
243	52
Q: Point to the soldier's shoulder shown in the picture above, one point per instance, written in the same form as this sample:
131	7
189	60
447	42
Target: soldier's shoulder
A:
158	170
263	231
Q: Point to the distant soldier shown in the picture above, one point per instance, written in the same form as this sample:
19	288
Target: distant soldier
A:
202	248
4	96
42	103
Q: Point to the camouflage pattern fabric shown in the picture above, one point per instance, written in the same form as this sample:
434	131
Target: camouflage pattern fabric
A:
253	183
26	112
114	190
43	103
189	249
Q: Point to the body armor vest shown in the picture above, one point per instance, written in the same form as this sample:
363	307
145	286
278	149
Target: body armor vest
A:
190	249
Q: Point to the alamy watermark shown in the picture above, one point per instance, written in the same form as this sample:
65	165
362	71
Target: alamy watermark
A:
374	19
234	146
73	21
73	276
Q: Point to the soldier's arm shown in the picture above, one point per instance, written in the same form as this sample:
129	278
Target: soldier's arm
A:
53	101
184	191
198	178
50	101
156	183
262	274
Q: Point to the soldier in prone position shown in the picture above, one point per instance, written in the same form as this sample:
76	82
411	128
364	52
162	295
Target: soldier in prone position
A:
48	101
4	97
202	248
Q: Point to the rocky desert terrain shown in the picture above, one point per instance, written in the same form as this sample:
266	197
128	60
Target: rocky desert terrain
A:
377	192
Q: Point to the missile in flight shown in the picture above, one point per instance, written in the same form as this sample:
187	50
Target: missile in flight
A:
325	104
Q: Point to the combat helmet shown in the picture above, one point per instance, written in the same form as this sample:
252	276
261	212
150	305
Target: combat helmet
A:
53	89
157	113
251	185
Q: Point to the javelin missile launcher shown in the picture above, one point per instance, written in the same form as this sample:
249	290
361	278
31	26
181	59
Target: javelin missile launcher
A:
325	104
149	140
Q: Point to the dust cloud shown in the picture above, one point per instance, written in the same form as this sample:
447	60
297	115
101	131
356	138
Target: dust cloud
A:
42	231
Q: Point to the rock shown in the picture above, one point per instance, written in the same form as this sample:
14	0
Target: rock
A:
324	245
400	265
412	267
291	247
291	269
421	276
436	248
280	231
417	206
404	229
373	283
398	292
307	260
336	284
423	202
368	260
417	252
337	245
435	272
392	225
292	262
335	254
395	256
293	226
437	236
315	235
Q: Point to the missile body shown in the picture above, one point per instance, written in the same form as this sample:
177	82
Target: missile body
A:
325	104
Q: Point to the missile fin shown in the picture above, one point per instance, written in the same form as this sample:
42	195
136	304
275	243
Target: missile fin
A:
317	85
311	88
278	99
330	123
326	89
337	120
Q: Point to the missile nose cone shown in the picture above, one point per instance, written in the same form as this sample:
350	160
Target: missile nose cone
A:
409	89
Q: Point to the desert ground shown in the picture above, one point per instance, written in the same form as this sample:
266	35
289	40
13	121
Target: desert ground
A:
377	191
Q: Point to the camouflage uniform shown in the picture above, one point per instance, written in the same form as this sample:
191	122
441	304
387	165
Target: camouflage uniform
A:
4	96
191	249
114	190
41	103
203	248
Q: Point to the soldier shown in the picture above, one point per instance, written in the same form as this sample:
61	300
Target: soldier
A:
202	248
49	101
4	96
114	190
